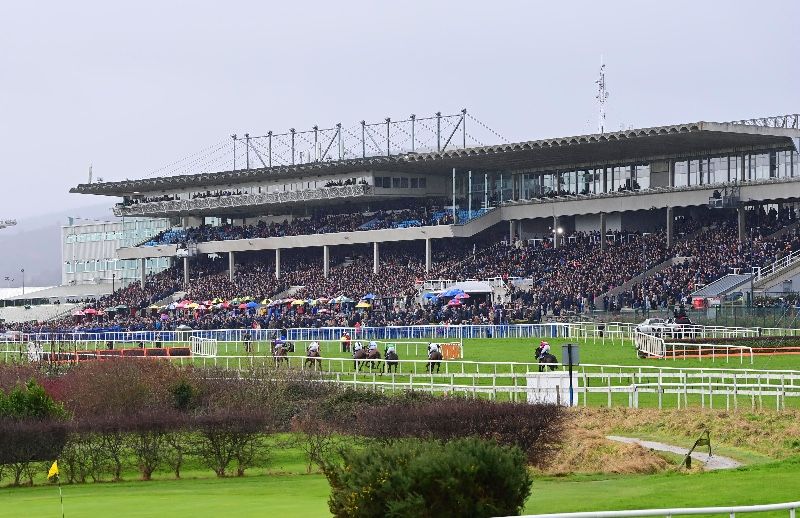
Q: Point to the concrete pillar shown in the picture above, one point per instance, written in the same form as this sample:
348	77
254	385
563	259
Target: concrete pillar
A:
602	231
326	259
604	180
556	236
671	175
376	262
143	271
742	229
231	266
670	224
743	168
185	271
511	232
428	255
277	263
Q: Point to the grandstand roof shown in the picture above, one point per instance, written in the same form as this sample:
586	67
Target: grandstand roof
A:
556	153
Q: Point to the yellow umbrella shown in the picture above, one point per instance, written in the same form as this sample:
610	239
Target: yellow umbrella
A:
298	302
193	305
266	301
363	304
155	306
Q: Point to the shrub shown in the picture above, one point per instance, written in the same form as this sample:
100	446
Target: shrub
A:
466	477
533	428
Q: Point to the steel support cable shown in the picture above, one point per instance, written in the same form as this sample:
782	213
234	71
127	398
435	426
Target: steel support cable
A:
189	167
216	146
489	129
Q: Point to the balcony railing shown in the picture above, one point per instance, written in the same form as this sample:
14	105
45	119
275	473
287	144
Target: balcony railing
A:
241	200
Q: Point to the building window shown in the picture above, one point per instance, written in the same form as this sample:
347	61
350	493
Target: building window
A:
415	183
404	183
396	183
423	183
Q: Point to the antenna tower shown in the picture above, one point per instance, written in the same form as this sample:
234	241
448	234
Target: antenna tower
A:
602	96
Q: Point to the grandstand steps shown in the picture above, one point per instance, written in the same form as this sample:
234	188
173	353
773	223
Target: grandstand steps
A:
288	293
723	285
630	283
779	275
785	230
40	313
175	297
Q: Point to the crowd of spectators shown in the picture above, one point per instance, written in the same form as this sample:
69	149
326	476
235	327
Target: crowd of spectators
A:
416	216
564	279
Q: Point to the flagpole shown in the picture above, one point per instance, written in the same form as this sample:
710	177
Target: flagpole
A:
60	496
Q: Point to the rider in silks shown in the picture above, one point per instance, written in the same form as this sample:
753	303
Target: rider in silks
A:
313	347
544	348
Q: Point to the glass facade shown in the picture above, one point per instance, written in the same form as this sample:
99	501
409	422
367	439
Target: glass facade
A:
690	172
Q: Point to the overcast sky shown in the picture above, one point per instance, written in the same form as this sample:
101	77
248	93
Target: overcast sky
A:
133	88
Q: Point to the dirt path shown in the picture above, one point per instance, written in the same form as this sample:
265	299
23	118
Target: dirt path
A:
713	462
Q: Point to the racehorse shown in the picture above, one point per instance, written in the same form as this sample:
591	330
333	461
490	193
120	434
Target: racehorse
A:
435	360
314	359
392	360
372	355
359	356
546	360
281	355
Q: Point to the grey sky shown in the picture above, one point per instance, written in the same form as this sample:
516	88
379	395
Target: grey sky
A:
133	88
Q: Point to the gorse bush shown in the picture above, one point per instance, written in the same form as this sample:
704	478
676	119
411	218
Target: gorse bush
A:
465	477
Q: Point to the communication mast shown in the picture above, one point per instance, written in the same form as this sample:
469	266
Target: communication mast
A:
602	96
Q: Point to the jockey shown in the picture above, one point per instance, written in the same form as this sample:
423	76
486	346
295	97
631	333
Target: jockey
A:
432	347
373	345
313	347
390	349
544	348
357	346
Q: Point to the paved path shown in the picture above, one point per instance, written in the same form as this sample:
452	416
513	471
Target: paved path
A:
713	462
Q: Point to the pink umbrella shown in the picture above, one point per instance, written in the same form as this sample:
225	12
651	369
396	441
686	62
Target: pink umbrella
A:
89	311
454	302
461	296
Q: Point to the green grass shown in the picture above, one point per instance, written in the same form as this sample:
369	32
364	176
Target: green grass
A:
306	495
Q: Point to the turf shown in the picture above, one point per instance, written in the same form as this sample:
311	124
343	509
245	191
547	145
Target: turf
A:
306	495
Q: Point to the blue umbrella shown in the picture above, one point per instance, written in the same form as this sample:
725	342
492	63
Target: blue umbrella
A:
452	292
251	305
430	295
369	296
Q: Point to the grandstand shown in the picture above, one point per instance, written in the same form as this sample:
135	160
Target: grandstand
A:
640	218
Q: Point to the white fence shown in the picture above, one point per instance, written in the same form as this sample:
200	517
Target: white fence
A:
730	511
204	346
611	331
656	347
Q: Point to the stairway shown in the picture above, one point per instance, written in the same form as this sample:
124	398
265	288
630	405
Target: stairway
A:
630	283
723	285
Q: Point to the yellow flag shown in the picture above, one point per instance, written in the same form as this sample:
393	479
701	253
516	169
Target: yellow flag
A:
53	470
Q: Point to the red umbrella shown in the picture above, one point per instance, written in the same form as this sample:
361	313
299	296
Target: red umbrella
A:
89	311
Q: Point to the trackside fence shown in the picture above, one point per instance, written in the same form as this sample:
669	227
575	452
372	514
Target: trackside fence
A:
789	507
613	332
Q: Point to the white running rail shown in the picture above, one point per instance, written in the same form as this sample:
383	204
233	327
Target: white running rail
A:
650	345
731	511
204	347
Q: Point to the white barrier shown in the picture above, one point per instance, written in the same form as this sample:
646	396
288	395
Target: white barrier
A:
650	345
730	511
206	347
